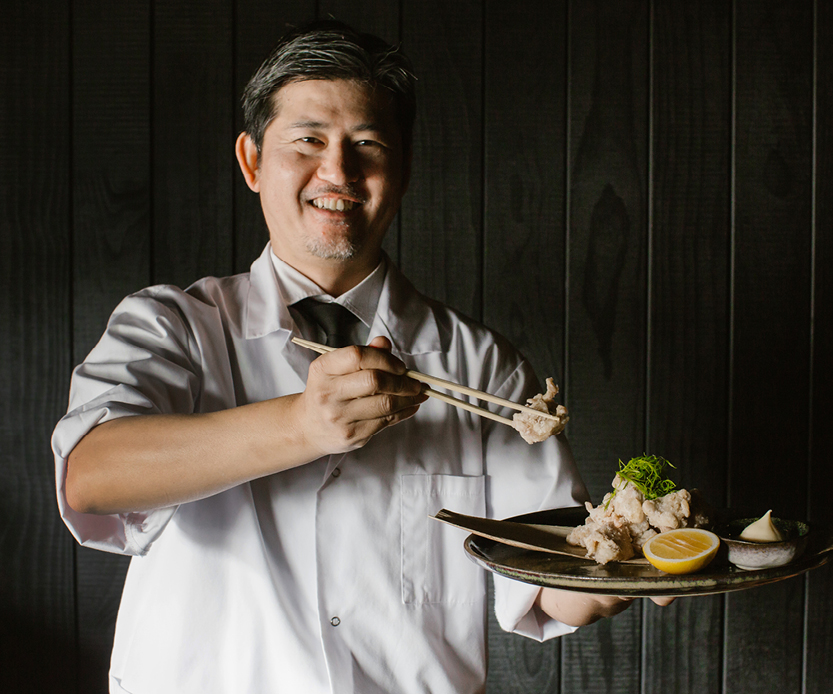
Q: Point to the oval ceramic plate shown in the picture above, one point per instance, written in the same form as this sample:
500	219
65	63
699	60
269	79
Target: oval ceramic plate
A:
631	580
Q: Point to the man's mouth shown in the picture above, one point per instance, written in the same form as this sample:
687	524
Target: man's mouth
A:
334	204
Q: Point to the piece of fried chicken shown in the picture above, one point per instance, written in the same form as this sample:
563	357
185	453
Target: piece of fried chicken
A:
605	542
607	532
669	512
617	528
535	429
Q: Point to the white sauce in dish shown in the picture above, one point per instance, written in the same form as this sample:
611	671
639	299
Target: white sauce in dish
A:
762	530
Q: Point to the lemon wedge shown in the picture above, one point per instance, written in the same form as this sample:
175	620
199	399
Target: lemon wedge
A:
681	551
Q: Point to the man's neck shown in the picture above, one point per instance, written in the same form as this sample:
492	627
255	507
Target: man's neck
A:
335	277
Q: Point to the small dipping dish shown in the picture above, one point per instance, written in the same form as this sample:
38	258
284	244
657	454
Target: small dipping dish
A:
763	555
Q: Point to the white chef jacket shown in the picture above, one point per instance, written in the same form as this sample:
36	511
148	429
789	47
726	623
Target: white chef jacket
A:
329	577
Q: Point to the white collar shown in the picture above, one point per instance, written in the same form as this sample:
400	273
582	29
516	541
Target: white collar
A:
402	314
362	299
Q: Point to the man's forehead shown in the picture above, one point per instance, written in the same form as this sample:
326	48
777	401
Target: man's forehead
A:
315	102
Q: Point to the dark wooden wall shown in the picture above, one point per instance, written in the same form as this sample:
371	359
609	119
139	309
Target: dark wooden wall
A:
638	193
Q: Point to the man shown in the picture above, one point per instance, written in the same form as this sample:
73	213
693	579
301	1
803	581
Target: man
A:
277	504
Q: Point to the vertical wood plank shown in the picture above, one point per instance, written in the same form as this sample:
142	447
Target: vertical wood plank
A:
441	243
38	649
688	378
379	17
193	127
771	321
772	251
819	644
606	297
524	236
111	232
111	161
690	251
258	26
607	243
525	143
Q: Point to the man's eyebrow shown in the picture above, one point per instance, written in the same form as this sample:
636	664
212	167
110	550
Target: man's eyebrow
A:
368	127
307	125
319	125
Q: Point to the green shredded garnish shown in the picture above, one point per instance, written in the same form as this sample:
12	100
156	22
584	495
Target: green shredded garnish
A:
646	474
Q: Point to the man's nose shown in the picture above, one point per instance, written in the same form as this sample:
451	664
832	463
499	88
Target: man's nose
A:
339	165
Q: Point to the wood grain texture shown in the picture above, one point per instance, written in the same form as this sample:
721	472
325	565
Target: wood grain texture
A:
100	578
688	331
524	205
38	648
690	253
604	657
111	188
518	665
193	127
771	321
819	642
608	235
111	135
441	244
772	251
374	17
606	297
683	646
525	87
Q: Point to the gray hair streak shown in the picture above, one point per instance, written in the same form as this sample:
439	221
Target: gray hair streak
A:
329	50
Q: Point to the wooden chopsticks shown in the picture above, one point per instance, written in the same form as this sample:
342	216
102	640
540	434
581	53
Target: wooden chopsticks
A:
449	385
462	404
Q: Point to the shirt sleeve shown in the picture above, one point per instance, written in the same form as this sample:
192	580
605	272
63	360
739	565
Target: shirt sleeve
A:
143	364
524	478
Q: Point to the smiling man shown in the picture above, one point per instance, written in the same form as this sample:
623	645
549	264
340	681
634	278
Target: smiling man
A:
331	172
276	504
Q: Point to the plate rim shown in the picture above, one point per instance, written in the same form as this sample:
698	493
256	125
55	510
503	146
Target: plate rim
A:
666	585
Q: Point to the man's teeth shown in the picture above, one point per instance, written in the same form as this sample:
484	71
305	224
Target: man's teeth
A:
334	204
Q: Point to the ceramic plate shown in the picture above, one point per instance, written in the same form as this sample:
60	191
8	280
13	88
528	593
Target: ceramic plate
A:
632	580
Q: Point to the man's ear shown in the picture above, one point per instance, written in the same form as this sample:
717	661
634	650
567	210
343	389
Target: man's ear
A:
248	158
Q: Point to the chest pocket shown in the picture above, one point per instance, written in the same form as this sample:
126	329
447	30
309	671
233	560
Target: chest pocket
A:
435	566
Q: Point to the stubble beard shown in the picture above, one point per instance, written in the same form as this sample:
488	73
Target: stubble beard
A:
341	246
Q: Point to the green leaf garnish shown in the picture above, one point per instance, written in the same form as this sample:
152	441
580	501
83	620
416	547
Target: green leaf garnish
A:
646	474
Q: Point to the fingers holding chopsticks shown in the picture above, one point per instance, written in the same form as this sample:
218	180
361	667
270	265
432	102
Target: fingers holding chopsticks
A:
355	392
432	380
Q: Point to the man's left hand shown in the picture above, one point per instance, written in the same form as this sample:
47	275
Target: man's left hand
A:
581	609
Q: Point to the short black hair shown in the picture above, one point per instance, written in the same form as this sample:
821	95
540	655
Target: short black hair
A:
330	50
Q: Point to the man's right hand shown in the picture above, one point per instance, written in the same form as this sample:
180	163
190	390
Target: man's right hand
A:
353	393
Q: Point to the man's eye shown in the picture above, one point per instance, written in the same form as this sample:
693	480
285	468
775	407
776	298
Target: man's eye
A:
368	143
310	140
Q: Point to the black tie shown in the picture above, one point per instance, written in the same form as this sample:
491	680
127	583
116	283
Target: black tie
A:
336	321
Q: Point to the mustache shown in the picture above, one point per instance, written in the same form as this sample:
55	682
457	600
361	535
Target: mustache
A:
347	191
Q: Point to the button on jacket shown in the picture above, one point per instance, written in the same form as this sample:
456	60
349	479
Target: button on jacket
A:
329	577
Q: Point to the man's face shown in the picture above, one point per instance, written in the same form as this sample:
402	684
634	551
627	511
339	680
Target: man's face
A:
331	173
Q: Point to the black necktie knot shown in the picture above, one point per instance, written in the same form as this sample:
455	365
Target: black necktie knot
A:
335	320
